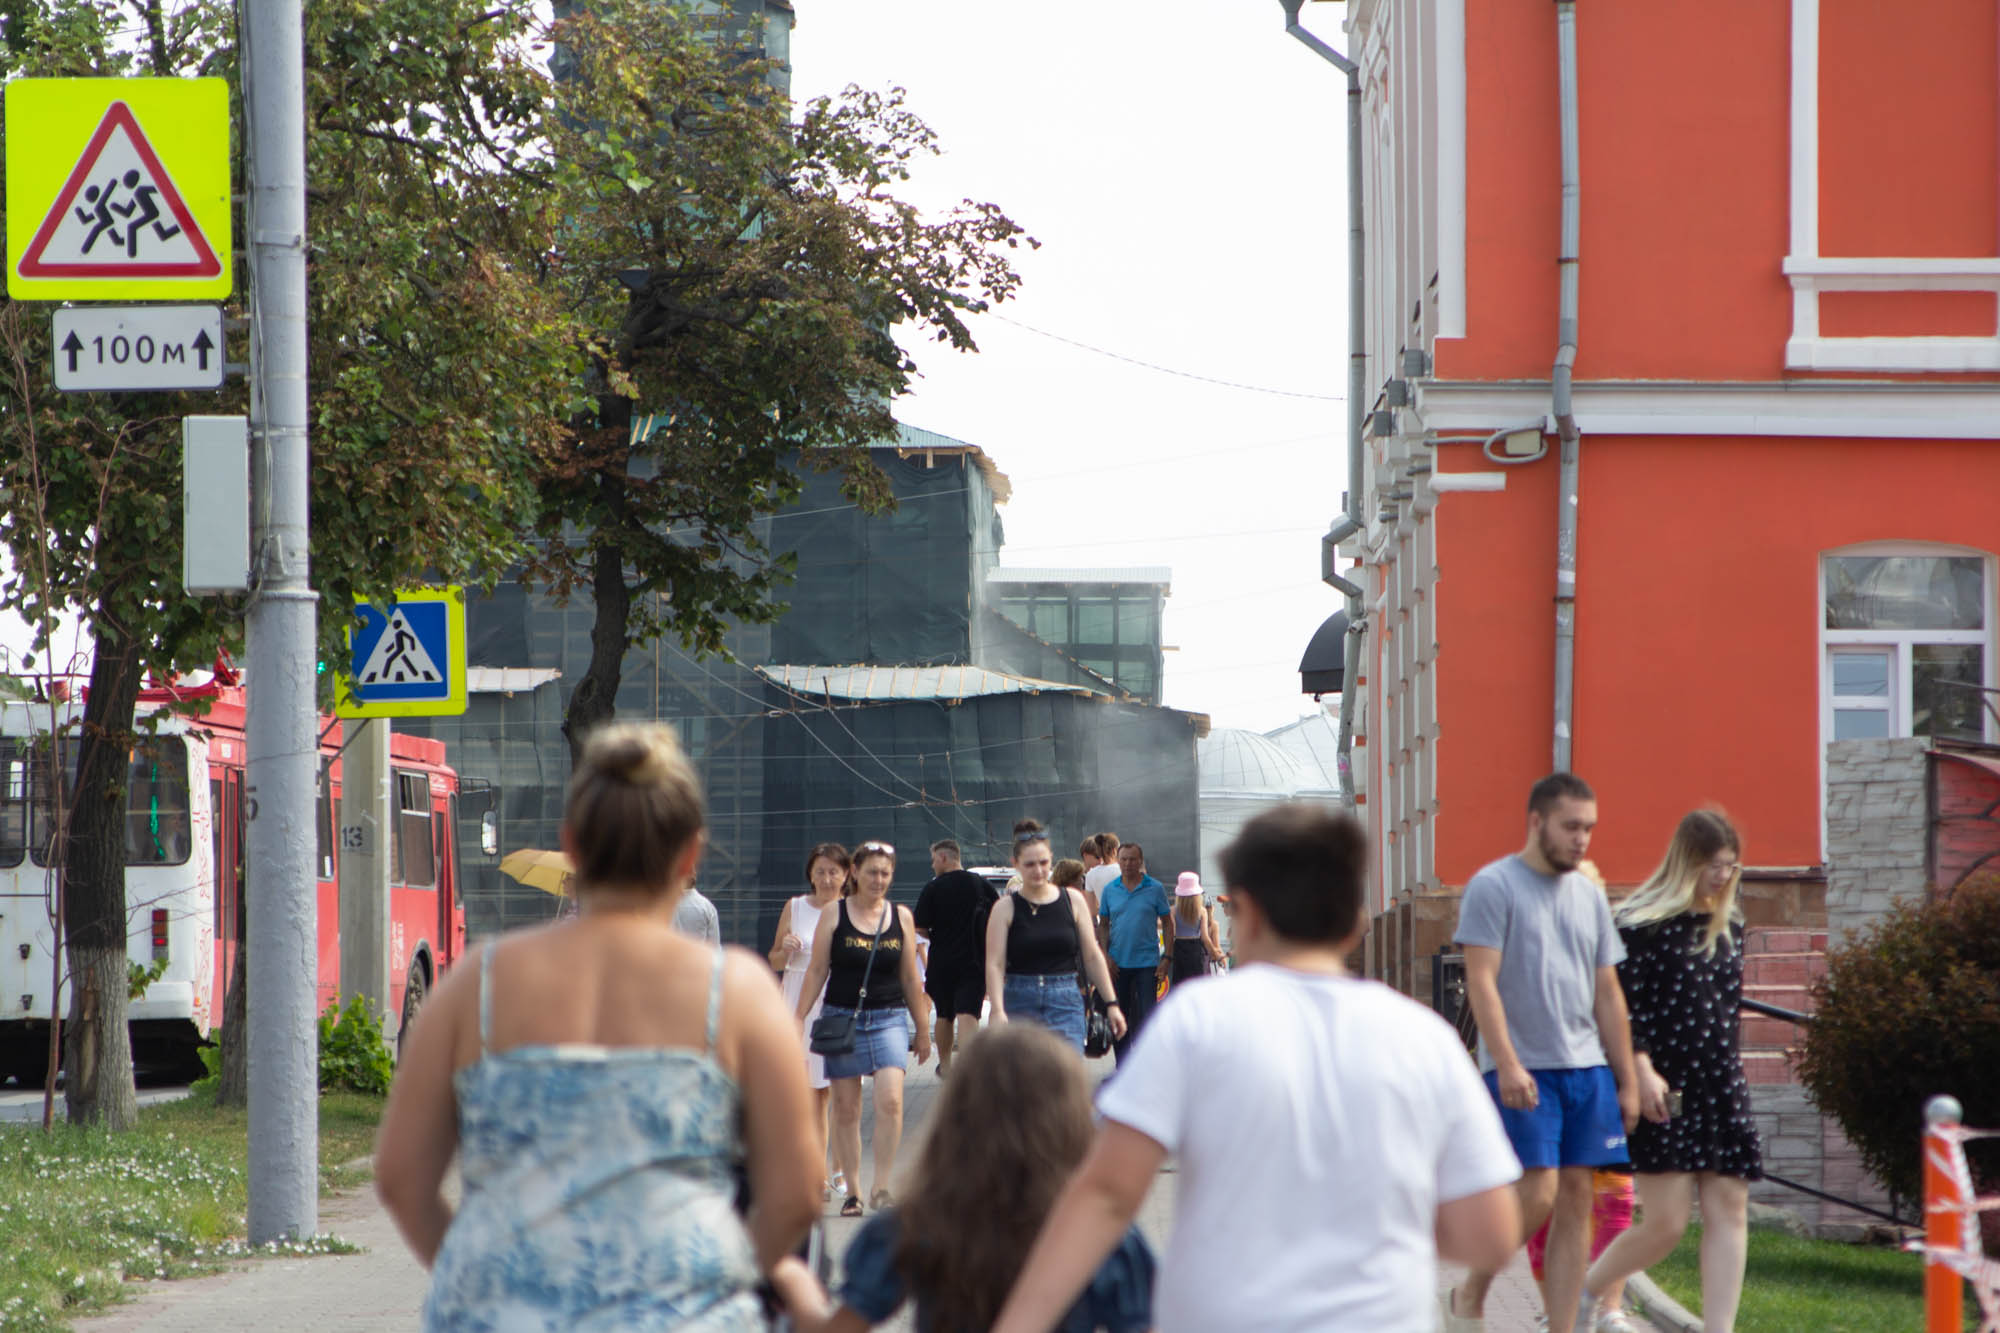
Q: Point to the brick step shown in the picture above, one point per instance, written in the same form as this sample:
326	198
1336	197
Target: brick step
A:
1768	1034
1781	939
1767	1067
1783	969
1795	997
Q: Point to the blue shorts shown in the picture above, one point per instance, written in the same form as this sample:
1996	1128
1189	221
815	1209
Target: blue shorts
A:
1576	1120
881	1041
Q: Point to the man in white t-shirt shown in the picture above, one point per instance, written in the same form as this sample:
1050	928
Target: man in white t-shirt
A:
1333	1137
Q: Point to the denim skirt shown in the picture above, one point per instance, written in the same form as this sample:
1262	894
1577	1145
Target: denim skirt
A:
881	1041
1052	1000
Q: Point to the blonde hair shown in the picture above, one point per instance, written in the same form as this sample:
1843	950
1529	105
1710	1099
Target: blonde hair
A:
1188	909
1670	890
633	804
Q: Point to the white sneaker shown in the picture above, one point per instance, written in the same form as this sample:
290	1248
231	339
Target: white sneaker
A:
1616	1321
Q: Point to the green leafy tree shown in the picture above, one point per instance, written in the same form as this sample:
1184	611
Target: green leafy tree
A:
744	269
442	372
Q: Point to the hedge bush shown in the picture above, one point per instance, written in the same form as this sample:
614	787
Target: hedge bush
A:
1909	1008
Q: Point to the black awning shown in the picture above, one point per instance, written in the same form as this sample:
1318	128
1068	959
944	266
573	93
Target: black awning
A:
1322	668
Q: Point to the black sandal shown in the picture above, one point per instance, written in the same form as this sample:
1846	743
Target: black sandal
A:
851	1206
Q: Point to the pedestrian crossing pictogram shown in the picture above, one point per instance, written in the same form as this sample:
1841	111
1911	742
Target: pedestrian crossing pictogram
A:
409	657
119	215
399	657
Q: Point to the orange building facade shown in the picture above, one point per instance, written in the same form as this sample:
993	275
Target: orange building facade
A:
1787	395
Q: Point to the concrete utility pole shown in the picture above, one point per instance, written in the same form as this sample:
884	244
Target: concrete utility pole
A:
367	815
281	732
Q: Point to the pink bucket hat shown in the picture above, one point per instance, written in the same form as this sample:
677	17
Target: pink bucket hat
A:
1189	886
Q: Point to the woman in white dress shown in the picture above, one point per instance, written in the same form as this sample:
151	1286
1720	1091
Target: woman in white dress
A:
828	868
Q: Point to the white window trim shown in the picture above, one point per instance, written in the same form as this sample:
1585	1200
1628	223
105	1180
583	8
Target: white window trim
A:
1811	273
1902	641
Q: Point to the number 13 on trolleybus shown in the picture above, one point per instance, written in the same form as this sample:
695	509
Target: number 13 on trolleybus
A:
184	876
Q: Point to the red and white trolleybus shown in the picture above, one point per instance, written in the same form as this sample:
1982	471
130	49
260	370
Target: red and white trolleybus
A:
184	873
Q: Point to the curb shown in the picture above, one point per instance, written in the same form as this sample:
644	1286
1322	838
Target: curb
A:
1664	1311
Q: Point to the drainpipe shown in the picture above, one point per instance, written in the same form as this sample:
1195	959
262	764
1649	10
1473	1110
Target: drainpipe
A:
1351	522
1565	412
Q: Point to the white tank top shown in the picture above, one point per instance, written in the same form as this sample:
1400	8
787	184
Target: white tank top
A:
805	921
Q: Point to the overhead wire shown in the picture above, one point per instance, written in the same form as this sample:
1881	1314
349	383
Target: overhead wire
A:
1167	370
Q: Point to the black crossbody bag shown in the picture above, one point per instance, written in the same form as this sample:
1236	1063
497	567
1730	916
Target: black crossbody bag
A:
1097	1039
833	1034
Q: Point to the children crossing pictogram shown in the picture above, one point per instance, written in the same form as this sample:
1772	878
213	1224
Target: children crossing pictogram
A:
119	214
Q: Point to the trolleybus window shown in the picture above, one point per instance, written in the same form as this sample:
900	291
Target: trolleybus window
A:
14	759
413	830
158	831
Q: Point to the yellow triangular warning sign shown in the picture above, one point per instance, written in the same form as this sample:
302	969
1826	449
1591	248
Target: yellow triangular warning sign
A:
119	215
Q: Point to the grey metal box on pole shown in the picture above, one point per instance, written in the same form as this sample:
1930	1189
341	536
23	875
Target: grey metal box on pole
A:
215	504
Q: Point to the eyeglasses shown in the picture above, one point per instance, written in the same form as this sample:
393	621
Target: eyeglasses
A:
876	847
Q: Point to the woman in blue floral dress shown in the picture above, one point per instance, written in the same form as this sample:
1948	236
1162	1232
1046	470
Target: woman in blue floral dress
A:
605	1084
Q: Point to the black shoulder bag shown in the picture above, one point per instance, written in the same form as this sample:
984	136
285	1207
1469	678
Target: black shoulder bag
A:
1097	1039
833	1034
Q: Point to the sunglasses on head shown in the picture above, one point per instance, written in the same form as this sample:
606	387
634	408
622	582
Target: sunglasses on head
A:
876	847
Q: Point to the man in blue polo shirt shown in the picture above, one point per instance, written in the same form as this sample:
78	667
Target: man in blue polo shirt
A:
1134	907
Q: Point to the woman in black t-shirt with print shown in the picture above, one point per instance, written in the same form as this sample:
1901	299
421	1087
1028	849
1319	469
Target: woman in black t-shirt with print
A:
868	926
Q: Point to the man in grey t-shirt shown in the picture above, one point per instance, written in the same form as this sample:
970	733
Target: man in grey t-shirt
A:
1541	974
695	916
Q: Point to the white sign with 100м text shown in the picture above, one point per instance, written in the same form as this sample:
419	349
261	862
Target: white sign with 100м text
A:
128	347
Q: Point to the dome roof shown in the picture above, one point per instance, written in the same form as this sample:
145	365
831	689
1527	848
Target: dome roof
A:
1232	760
1314	742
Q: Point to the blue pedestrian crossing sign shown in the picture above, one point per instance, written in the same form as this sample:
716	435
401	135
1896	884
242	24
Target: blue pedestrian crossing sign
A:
406	659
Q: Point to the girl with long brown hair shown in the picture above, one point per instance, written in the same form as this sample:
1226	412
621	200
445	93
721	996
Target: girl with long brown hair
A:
1011	1125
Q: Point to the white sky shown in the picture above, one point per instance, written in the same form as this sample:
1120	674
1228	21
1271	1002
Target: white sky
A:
1183	164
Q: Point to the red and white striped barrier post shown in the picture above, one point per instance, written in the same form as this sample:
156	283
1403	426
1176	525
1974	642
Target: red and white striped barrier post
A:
1944	1217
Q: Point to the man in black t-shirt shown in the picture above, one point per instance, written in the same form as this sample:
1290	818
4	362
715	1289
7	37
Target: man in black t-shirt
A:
949	913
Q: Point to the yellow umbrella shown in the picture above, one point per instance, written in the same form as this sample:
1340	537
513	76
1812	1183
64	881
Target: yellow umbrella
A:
548	871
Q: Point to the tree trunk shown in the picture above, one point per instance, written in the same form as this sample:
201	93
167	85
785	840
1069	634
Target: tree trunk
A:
233	1086
595	699
97	1047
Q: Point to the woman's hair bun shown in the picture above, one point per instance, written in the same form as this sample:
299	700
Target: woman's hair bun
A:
633	758
1022	826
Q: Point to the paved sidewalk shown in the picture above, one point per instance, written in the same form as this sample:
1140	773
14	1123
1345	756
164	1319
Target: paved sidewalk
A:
382	1288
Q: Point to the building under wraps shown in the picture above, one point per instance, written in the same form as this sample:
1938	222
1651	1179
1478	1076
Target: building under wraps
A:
898	699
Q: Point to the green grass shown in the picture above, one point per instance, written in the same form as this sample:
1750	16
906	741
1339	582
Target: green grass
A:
82	1211
1791	1285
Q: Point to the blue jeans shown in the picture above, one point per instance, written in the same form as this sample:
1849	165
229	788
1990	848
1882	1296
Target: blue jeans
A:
1052	1000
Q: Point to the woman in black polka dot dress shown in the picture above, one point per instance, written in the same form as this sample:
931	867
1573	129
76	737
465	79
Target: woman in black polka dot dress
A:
1683	976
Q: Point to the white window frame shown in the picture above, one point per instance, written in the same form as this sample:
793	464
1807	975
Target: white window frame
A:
1811	273
1902	642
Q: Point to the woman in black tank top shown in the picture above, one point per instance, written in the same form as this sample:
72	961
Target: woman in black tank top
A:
864	954
1040	944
